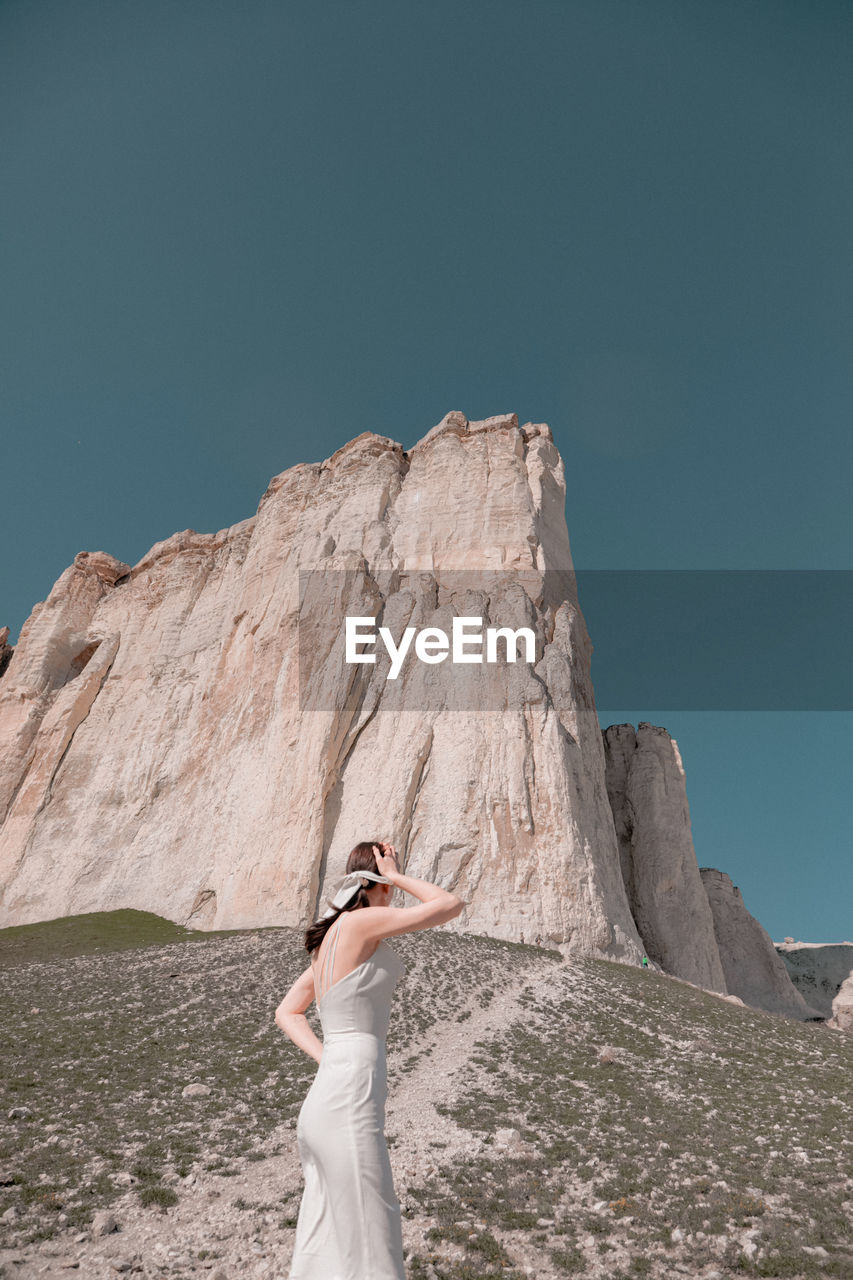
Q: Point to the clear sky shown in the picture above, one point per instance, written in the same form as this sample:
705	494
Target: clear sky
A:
236	233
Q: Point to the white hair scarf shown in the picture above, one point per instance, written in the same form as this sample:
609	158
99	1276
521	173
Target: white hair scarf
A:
350	885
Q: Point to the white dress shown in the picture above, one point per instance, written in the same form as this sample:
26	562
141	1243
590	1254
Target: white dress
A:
349	1225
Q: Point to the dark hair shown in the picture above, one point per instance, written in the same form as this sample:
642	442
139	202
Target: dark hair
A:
361	858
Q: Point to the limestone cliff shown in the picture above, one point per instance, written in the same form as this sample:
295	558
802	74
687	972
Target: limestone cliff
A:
181	736
842	1007
6	650
647	791
753	969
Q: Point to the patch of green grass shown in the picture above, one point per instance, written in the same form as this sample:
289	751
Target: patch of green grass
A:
99	931
153	1193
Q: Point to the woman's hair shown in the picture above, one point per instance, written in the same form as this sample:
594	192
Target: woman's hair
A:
362	858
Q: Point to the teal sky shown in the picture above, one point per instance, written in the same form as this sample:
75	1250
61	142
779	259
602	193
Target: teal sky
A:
236	233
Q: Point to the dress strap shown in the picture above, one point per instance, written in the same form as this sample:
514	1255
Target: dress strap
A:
329	960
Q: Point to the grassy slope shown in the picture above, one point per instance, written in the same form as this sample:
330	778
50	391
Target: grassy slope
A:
710	1120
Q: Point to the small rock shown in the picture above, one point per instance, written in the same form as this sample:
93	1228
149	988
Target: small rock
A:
507	1137
608	1055
677	1235
20	1113
8	1177
10	1215
81	1238
219	1274
104	1223
195	1091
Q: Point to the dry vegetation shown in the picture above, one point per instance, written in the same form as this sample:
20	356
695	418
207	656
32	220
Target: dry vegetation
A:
545	1118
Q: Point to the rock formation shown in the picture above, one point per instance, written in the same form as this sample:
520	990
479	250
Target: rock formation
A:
185	736
842	1007
647	791
693	923
182	736
6	650
753	969
817	969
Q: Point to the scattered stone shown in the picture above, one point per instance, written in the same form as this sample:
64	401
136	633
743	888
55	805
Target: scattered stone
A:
104	1223
676	1235
608	1056
11	1215
20	1113
8	1177
195	1091
81	1237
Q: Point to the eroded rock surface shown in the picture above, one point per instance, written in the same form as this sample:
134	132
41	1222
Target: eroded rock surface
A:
752	967
160	752
842	1007
647	791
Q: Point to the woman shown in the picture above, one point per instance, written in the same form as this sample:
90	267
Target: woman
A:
349	1225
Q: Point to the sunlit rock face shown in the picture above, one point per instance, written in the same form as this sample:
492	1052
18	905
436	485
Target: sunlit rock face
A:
160	751
647	790
842	1007
753	969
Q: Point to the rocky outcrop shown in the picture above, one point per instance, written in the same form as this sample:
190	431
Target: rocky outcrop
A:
647	792
753	969
183	737
6	649
817	970
842	1008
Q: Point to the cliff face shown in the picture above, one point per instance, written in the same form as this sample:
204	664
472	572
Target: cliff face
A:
185	737
753	969
181	736
648	796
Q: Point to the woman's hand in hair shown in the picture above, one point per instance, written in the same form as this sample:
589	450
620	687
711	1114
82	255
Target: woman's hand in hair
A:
386	860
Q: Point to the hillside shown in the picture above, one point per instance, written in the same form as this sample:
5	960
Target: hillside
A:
545	1118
